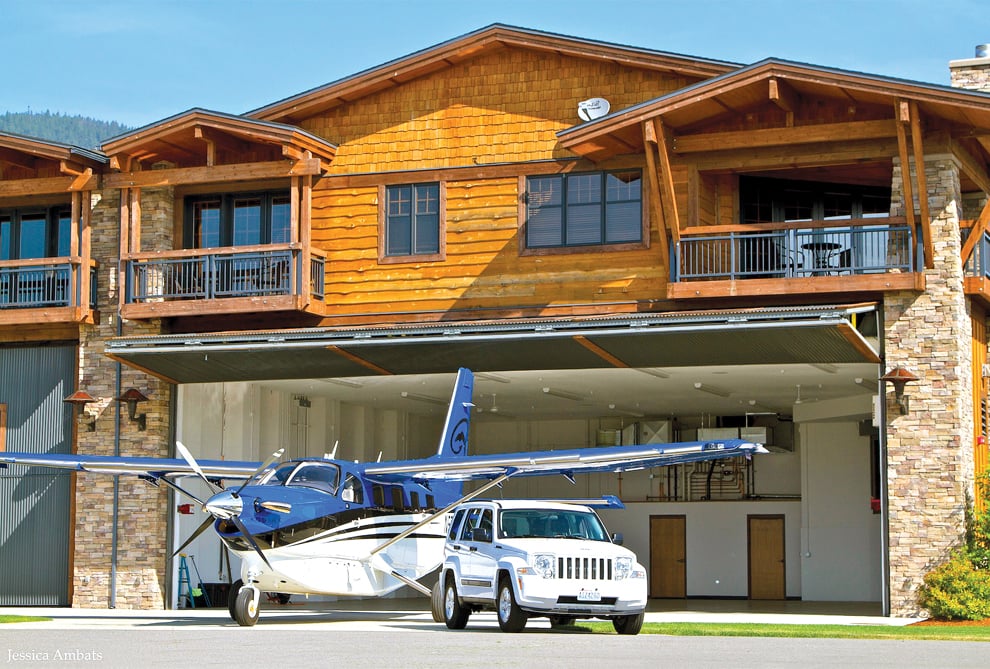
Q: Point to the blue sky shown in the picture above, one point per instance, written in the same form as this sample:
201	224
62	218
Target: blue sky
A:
138	61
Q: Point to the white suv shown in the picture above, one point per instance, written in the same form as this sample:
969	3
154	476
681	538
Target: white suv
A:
526	558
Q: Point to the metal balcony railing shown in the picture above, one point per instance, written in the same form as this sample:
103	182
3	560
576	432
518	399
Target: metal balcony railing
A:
42	284
978	263
795	252
210	274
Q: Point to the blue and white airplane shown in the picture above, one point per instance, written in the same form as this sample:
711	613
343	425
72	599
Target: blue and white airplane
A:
335	527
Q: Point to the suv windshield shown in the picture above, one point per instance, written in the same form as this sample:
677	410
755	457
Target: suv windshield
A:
551	523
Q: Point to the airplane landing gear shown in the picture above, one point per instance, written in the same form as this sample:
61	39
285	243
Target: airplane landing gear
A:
244	605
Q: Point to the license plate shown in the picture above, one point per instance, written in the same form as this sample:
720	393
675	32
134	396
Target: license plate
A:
589	596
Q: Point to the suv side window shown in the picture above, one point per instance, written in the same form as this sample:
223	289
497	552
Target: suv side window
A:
472	521
452	532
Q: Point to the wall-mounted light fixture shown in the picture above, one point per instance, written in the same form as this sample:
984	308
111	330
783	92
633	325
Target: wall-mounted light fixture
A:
131	397
79	400
900	377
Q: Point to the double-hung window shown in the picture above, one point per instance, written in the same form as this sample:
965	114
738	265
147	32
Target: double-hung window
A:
35	233
411	217
584	209
237	219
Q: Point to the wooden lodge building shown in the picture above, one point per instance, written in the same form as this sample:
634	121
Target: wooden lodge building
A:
626	245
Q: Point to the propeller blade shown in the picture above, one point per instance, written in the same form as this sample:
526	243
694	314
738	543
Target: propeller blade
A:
191	461
264	465
199	530
250	539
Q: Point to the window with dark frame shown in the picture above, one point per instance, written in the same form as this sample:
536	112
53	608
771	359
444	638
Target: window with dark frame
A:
412	220
35	233
769	200
584	209
237	219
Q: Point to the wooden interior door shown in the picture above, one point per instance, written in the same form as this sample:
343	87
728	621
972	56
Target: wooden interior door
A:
668	556
766	558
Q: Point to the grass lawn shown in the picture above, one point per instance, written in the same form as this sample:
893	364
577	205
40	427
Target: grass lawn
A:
22	619
909	632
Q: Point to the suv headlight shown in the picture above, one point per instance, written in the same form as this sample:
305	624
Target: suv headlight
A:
545	565
623	566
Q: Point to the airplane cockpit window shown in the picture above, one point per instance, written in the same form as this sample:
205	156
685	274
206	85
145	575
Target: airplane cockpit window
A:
277	476
320	476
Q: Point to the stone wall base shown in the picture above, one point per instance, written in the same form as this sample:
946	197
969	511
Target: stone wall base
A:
136	589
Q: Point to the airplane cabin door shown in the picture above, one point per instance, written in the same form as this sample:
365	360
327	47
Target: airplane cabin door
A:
668	556
766	557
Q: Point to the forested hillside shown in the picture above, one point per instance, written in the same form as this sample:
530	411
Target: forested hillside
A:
78	130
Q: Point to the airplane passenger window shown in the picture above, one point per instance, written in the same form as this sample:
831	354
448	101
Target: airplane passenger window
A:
352	492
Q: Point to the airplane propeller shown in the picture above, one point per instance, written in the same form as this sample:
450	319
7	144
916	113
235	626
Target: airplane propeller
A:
225	504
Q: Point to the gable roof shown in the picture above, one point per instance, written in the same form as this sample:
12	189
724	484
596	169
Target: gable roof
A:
489	39
176	136
49	150
747	87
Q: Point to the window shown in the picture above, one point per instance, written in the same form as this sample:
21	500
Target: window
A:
237	219
35	233
411	217
765	200
588	209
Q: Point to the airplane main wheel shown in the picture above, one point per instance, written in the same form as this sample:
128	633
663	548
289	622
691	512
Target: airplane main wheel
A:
628	624
436	602
235	588
245	609
510	617
455	615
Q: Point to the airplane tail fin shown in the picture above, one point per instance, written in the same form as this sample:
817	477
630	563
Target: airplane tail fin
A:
454	441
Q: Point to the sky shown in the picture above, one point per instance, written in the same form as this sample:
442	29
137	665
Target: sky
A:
140	61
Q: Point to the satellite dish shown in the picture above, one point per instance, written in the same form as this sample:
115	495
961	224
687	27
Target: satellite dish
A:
594	108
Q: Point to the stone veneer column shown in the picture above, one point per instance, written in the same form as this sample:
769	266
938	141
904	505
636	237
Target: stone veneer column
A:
929	455
142	514
971	73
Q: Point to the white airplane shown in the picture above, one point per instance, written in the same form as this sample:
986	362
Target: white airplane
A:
334	527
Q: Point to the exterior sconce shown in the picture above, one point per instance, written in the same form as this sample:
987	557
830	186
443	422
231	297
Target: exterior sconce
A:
131	397
79	400
900	377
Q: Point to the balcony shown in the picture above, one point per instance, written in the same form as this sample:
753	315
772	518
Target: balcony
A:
46	290
232	280
976	268
847	256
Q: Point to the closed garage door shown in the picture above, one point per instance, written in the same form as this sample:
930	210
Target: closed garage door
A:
35	506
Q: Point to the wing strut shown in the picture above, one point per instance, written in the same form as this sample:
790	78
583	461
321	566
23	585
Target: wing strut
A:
471	495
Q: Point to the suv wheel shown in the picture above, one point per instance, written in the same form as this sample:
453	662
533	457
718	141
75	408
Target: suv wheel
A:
510	617
455	615
436	602
628	624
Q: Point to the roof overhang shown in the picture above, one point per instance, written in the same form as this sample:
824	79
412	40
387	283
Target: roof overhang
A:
748	88
823	335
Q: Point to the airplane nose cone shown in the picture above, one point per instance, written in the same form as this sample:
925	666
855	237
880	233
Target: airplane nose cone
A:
225	504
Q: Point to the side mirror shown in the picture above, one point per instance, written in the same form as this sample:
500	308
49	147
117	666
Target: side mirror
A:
617	538
481	534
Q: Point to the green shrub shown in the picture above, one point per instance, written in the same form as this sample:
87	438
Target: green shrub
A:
960	588
957	590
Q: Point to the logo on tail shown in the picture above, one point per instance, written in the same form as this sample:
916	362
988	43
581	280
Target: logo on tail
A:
454	442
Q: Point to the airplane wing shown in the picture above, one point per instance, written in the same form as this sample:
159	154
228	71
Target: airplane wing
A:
567	462
153	468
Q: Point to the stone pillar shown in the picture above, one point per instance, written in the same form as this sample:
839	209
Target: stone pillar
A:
141	513
929	455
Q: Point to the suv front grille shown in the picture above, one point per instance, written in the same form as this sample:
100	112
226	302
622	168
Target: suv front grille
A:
584	568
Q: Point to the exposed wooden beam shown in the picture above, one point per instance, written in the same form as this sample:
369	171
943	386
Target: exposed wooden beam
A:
195	175
807	134
47	185
975	168
976	232
83	181
653	197
917	144
667	193
903	116
18	159
784	97
801	155
600	352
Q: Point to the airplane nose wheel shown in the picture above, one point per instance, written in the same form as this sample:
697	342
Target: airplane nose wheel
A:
245	608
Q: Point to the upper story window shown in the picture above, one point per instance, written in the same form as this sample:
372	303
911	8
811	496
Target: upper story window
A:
766	200
411	219
586	209
237	219
35	233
